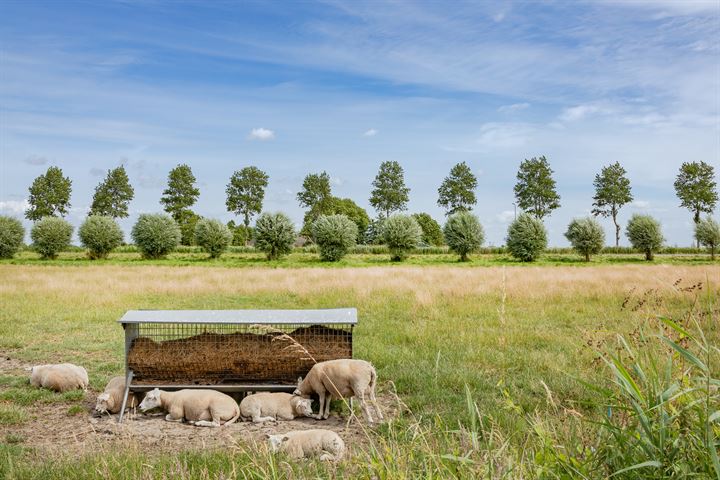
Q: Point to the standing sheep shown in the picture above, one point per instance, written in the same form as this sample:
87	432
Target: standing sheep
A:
308	443
203	408
110	401
266	406
344	378
62	377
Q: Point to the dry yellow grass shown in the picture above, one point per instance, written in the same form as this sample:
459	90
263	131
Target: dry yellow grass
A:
424	283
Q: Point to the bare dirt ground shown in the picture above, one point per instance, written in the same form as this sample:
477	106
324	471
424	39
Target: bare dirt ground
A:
52	431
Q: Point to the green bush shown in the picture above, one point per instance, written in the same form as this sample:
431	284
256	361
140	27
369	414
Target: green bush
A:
707	233
12	234
334	236
374	232
644	234
51	235
213	236
155	235
401	233
100	235
274	235
527	238
463	234
432	234
586	236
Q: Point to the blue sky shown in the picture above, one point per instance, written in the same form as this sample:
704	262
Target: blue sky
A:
299	87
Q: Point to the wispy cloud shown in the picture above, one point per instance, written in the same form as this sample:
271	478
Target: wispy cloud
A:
35	160
370	133
261	134
515	107
14	207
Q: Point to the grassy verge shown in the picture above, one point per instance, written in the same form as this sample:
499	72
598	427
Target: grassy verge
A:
486	359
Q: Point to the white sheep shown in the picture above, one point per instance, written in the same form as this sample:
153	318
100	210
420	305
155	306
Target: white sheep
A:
110	401
266	406
307	443
345	378
62	377
203	408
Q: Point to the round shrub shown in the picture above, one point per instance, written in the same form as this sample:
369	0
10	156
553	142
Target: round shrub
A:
100	235
155	235
644	234
586	236
401	233
432	234
51	235
334	235
707	233
463	234
213	236
527	238
12	234
274	235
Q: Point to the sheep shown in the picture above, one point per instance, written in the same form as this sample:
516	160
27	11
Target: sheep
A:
344	378
110	401
62	377
203	408
266	406
306	443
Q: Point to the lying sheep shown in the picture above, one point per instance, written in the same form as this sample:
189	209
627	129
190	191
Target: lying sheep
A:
203	408
265	406
308	443
62	377
110	401
345	378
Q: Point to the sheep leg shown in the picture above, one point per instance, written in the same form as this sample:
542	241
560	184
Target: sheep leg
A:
258	419
319	416
365	407
207	423
374	403
327	407
170	418
327	457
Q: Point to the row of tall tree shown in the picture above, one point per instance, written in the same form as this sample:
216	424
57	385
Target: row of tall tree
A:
535	193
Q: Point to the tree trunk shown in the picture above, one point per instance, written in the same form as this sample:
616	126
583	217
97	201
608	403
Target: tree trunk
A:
617	230
246	221
697	219
648	255
712	252
587	257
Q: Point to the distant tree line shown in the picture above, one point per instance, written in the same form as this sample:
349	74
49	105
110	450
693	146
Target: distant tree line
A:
535	193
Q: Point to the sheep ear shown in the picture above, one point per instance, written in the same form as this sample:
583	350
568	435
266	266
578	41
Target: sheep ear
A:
267	435
299	380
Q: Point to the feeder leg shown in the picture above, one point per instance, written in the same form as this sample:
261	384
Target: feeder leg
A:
125	397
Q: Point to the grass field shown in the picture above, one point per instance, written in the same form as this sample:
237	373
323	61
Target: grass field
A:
486	359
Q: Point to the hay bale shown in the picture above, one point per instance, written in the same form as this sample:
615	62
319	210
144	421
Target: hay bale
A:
214	358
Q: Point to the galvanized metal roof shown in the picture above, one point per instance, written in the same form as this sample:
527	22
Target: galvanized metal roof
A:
326	316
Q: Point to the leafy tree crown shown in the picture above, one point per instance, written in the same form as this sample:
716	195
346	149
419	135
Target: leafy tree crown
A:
612	190
696	188
389	191
113	195
181	192
535	189
246	192
457	192
49	195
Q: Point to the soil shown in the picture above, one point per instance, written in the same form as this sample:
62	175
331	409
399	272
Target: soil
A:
52	431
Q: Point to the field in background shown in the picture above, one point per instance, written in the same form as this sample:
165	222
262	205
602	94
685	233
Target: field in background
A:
510	340
364	256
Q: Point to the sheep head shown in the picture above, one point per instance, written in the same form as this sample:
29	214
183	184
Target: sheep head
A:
151	400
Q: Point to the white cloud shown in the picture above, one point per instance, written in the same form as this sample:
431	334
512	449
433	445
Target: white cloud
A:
578	112
261	134
370	133
479	172
515	107
14	207
337	181
35	160
506	216
504	135
643	204
498	17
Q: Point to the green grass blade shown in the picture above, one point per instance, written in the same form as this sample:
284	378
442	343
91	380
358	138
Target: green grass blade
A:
687	355
649	463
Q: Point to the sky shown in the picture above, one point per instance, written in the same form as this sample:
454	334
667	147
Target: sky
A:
301	87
